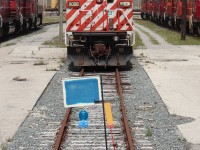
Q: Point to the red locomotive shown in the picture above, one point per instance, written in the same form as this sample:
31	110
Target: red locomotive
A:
19	15
99	32
170	13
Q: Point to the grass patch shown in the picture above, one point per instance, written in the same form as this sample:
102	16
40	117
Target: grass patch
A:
148	132
51	19
138	42
55	42
152	39
170	36
18	78
40	62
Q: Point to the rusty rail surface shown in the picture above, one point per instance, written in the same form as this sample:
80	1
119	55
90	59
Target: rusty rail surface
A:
64	125
130	143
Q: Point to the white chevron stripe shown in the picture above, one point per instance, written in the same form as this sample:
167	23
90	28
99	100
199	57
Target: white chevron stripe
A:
69	20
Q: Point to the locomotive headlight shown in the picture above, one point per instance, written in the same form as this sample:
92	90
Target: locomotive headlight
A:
128	37
125	4
71	37
116	38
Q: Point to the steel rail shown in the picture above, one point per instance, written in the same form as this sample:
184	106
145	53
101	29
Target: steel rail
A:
64	125
130	142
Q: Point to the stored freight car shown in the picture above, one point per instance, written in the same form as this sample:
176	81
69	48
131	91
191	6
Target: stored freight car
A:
19	15
99	32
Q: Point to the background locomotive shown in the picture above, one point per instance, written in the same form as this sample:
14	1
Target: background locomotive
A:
169	12
99	32
19	15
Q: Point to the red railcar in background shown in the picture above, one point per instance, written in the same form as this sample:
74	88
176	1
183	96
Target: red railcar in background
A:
19	15
150	9
169	12
190	6
196	16
155	12
4	16
144	9
162	10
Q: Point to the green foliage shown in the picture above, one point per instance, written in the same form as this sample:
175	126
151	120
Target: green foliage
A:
148	132
40	62
138	42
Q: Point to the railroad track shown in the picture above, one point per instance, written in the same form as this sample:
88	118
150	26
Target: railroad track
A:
71	137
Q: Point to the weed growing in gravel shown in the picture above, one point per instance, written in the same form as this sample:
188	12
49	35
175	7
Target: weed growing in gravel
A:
51	69
149	62
142	55
148	132
55	42
3	146
173	115
9	139
40	62
9	44
18	78
182	139
63	59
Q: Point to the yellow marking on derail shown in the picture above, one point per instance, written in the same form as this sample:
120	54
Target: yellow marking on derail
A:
108	113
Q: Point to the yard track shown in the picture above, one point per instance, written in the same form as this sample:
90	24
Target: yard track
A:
70	136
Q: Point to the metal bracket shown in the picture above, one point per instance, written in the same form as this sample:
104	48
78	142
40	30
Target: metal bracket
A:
21	19
1	21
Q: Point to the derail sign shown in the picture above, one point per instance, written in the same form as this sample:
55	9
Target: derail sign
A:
81	91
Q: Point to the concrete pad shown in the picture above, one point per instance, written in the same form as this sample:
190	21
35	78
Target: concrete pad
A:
17	98
175	74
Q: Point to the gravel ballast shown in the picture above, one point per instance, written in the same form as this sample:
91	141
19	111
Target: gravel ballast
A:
39	128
